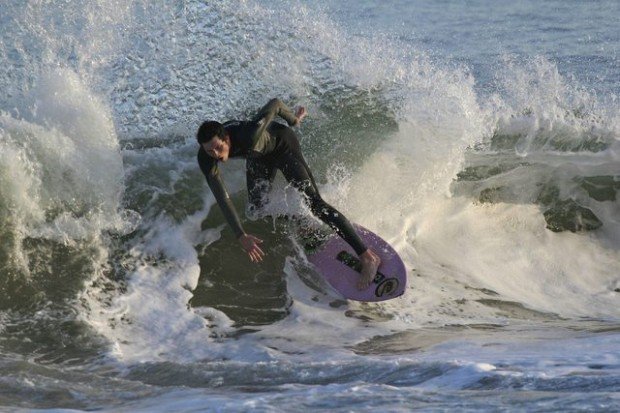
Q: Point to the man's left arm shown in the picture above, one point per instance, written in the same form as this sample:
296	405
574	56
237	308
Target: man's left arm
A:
275	107
261	140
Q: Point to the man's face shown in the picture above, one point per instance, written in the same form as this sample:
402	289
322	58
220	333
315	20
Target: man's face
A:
217	148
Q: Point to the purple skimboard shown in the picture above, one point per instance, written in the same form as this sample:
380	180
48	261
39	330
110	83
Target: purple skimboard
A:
336	261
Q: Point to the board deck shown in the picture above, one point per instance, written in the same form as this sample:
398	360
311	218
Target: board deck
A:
336	261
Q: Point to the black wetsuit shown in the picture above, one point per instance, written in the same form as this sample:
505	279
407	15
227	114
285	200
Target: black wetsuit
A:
267	147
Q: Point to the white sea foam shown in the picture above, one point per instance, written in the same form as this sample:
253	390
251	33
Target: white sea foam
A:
496	300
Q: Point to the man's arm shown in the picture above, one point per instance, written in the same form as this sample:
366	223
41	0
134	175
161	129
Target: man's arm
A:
261	140
275	107
211	171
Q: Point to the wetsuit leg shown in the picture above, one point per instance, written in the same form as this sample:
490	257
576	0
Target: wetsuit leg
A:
296	172
259	176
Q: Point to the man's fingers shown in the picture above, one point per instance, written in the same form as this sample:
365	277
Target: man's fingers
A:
255	253
256	248
255	256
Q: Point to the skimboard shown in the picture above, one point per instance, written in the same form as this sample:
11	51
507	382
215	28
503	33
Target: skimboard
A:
336	261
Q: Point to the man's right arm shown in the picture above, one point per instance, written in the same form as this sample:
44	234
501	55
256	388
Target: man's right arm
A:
210	169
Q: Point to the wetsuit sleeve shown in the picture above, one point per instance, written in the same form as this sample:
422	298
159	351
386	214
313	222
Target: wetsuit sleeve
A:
211	171
275	107
262	142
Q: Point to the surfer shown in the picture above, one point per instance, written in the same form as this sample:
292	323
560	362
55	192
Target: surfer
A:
268	146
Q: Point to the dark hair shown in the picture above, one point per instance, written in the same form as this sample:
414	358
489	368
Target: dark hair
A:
208	130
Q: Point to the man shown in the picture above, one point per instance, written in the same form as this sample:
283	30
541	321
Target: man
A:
267	147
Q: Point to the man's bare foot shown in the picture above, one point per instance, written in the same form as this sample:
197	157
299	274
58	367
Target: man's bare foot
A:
370	264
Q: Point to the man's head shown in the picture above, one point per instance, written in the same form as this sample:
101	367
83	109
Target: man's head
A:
215	141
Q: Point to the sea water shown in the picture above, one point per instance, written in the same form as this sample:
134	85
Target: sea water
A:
480	138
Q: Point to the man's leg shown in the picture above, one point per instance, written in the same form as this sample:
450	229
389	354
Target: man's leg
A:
298	174
296	171
259	176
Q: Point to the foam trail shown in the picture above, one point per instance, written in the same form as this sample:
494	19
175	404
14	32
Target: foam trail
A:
153	304
151	321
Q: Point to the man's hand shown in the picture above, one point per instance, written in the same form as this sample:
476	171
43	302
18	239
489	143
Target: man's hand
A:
250	245
300	113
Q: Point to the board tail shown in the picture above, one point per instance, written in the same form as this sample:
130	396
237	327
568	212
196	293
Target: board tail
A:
385	285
